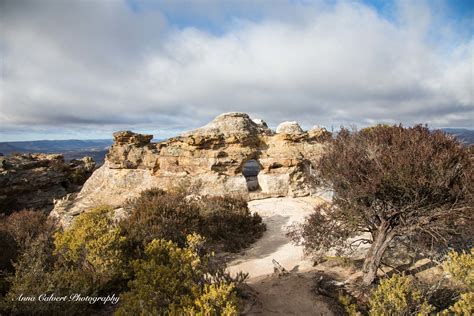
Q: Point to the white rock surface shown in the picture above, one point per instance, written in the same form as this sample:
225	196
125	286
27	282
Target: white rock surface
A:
289	128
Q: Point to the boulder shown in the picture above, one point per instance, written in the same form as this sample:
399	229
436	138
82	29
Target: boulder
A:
262	125
289	128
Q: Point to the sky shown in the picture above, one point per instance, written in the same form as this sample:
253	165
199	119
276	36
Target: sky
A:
82	69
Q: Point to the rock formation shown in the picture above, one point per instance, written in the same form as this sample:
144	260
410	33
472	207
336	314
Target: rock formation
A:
34	180
208	161
289	128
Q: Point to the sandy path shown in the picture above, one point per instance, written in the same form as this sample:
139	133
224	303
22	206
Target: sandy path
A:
291	294
277	214
280	295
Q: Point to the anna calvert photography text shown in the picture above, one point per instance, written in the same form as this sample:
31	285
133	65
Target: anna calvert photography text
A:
113	299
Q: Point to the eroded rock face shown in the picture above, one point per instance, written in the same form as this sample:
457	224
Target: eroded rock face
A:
34	180
208	160
131	151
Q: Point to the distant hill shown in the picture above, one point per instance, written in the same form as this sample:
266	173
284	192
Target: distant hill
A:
72	149
465	135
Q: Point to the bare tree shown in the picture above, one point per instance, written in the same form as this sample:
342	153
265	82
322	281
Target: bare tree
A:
390	181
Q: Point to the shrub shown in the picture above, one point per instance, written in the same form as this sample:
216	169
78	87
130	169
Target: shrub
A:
17	232
216	299
227	220
38	272
160	215
461	267
26	225
398	295
172	216
464	306
172	280
94	244
349	305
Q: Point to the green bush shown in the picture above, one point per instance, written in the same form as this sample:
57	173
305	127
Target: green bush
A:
401	295
464	306
398	295
37	272
461	267
94	243
349	305
174	280
156	249
83	259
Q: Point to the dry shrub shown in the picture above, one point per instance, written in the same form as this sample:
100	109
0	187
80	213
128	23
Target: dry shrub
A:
172	216
228	221
17	232
160	215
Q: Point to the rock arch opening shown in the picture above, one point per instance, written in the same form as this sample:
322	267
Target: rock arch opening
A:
250	170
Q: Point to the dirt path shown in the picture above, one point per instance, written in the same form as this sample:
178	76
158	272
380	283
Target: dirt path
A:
277	214
291	294
285	295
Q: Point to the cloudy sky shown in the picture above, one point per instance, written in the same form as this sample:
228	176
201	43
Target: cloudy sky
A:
83	68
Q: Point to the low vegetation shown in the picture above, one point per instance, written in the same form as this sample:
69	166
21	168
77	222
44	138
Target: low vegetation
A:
175	280
225	222
157	259
449	294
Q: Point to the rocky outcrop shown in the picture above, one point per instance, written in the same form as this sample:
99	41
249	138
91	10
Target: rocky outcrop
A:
208	160
289	128
34	180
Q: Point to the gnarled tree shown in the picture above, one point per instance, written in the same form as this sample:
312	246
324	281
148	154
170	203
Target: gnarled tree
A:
390	181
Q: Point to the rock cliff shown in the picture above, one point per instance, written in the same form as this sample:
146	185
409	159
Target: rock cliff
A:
34	180
208	161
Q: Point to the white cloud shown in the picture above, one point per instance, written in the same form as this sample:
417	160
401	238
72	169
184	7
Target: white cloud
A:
105	65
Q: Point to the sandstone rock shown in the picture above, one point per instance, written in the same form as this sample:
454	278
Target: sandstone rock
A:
263	126
228	125
132	151
34	180
128	137
206	161
319	133
106	186
289	128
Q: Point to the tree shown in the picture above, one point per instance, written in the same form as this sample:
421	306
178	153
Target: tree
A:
388	182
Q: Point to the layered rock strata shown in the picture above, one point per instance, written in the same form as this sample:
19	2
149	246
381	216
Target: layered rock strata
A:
207	161
35	180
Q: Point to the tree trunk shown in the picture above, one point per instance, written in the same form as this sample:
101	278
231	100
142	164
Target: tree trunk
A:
382	238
